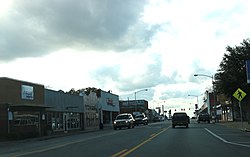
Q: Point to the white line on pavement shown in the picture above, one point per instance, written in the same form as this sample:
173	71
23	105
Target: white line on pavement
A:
225	141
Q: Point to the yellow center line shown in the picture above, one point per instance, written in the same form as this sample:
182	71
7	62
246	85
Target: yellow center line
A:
152	135
141	144
119	153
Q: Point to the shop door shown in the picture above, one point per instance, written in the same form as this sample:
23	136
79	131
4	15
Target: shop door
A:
65	122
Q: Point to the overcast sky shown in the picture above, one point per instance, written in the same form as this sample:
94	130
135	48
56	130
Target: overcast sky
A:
121	45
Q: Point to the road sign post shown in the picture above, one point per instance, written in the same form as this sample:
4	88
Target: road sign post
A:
241	118
239	95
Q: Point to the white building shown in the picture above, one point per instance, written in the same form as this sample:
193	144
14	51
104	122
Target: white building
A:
108	107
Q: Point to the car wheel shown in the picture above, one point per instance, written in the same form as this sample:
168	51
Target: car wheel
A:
173	126
114	128
187	126
133	126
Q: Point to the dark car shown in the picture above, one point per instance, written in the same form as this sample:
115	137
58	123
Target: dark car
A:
124	120
158	119
141	119
180	119
204	117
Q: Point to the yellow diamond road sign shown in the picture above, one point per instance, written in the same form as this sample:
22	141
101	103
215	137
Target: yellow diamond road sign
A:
239	94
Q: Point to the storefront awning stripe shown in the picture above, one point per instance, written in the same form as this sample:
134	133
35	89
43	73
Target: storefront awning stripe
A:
30	105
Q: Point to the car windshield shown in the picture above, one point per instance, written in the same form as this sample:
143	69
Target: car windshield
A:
139	116
204	115
180	114
122	117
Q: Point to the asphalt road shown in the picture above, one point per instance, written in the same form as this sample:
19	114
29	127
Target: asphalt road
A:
155	139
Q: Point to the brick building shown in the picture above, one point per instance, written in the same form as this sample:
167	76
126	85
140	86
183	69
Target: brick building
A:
22	108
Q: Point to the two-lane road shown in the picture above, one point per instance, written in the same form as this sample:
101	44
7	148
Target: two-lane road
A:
156	139
204	140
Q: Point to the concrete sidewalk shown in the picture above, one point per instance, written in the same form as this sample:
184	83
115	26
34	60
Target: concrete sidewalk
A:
7	142
237	125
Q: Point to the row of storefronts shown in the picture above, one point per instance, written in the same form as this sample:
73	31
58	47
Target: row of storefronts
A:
223	108
28	109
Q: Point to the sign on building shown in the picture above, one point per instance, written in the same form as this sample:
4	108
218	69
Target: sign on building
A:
27	92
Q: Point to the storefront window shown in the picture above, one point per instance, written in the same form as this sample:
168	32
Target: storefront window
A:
55	121
58	121
26	118
91	119
74	121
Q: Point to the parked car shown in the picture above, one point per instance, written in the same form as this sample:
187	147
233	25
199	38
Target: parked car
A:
141	119
193	117
170	118
158	119
181	119
204	117
124	120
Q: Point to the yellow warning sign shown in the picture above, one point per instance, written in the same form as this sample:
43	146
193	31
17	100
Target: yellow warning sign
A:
239	94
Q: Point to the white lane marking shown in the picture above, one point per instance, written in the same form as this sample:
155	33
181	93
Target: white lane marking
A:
225	141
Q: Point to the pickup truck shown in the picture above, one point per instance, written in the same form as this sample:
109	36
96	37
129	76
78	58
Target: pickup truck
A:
181	119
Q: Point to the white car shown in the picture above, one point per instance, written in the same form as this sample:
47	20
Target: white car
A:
124	120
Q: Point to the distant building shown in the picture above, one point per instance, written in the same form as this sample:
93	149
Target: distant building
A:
134	106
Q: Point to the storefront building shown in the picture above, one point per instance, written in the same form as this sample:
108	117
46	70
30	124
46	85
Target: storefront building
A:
108	107
91	111
28	110
22	109
66	112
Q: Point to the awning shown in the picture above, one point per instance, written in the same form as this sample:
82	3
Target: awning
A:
30	105
204	110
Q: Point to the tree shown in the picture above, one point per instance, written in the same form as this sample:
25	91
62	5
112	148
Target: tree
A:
232	75
232	72
87	91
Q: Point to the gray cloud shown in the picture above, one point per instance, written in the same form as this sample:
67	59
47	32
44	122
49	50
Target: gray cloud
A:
151	78
107	73
197	69
42	26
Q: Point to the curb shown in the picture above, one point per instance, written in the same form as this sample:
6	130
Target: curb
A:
234	127
245	130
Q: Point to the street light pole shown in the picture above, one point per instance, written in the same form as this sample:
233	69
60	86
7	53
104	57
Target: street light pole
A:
213	89
138	92
197	97
196	106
